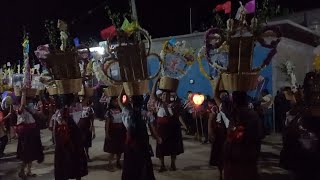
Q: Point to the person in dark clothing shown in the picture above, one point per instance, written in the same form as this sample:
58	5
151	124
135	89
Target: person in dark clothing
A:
243	139
29	147
3	135
70	160
137	164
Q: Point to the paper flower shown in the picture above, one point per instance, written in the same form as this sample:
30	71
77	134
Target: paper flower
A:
128	27
108	33
250	6
226	7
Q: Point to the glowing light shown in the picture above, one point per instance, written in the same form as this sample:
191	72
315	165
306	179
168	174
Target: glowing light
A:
198	99
99	50
124	99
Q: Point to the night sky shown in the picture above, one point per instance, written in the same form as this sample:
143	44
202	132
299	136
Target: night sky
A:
87	18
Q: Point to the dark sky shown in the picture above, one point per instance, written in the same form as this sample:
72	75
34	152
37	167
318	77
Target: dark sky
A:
87	17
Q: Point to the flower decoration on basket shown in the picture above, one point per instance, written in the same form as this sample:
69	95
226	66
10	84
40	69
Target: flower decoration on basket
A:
230	50
60	60
130	52
177	59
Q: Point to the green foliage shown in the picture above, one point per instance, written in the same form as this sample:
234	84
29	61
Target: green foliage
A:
118	18
52	33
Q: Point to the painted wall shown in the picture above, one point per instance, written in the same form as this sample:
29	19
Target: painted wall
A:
300	54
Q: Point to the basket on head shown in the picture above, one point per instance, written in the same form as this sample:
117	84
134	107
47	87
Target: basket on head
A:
86	91
30	92
113	91
64	65
68	86
168	84
214	84
52	90
136	88
240	82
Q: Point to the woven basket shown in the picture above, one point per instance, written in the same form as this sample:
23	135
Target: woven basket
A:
168	84
214	83
112	91
52	91
240	82
64	65
136	88
87	91
68	86
30	92
243	47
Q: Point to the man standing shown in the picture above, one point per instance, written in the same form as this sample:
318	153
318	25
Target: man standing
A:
267	104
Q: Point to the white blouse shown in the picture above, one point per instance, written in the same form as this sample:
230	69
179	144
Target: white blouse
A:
25	117
162	112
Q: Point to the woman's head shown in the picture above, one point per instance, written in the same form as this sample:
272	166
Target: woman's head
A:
165	97
67	99
224	95
211	103
264	92
240	98
114	102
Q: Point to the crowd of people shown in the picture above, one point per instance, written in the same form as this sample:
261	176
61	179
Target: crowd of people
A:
232	122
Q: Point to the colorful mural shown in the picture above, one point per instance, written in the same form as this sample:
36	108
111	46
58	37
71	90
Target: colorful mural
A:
200	84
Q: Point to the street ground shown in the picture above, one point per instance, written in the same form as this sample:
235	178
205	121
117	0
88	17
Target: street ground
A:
192	165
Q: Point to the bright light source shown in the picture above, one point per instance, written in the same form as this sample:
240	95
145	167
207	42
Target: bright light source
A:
99	50
124	99
198	99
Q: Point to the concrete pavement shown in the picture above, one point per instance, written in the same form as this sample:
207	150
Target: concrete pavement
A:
192	165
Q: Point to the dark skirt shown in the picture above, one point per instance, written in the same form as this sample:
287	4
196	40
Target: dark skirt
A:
86	133
70	160
29	144
240	161
217	147
137	164
170	132
116	143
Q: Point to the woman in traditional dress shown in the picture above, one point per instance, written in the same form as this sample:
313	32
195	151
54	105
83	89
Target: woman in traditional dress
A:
137	163
243	142
115	132
168	128
70	160
244	132
217	133
29	141
86	124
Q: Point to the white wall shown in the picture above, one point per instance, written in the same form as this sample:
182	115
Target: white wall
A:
299	53
196	40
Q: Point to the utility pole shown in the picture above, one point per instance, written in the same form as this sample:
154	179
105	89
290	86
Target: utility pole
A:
134	10
190	20
135	15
